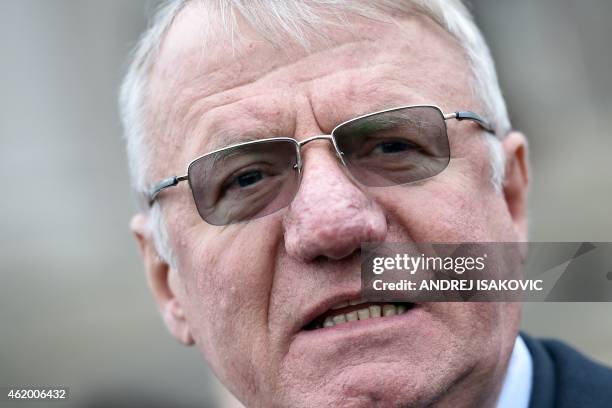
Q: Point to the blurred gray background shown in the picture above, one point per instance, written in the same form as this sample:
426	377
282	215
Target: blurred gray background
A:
74	306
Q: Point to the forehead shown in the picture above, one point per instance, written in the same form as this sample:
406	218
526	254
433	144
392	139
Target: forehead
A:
208	84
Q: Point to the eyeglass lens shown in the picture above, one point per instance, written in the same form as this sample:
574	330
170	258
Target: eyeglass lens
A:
245	182
395	147
256	179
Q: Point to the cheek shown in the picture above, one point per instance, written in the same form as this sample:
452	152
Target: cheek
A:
227	274
438	212
470	320
460	204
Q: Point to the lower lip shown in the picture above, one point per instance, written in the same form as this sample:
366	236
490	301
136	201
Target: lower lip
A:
412	317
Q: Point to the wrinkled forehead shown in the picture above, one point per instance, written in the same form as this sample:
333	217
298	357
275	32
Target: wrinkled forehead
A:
205	64
204	49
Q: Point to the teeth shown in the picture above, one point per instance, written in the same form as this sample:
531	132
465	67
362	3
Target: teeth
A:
371	312
375	311
341	318
351	317
389	310
364	314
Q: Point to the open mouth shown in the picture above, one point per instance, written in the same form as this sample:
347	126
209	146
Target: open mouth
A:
357	310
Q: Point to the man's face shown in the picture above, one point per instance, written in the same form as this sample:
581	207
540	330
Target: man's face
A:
247	290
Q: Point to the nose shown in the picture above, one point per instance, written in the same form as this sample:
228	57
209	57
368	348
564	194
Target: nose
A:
330	216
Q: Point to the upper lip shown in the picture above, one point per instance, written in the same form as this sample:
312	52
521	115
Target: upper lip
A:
312	312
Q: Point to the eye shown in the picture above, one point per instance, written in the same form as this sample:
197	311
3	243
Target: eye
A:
393	147
248	179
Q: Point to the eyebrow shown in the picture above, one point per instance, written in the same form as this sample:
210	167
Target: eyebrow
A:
227	138
234	139
224	138
372	123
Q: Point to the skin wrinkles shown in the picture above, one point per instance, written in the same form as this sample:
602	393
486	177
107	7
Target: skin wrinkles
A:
244	287
206	98
196	93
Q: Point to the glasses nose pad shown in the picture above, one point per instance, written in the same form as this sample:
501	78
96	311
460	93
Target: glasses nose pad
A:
339	154
298	159
298	166
345	165
341	158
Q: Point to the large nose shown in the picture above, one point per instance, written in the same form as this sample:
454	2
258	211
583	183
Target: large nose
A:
330	216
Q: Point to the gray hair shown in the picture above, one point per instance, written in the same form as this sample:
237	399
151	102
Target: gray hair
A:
277	20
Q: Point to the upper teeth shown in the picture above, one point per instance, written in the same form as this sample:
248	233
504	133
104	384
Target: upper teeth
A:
370	312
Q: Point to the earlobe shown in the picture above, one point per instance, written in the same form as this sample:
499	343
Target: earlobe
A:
162	279
516	181
175	320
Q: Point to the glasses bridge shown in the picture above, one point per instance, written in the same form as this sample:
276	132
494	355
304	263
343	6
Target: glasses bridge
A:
317	137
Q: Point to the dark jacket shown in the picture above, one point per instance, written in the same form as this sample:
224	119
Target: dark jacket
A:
564	378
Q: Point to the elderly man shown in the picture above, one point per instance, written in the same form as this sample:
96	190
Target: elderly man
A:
269	139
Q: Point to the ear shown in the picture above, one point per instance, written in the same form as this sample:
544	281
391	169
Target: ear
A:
516	182
163	281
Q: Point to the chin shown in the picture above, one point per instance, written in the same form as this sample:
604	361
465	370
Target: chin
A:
393	377
373	385
430	355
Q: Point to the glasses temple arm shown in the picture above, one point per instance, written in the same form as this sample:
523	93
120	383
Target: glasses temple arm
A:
464	115
165	183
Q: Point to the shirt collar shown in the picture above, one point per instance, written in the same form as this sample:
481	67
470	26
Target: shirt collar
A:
516	390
